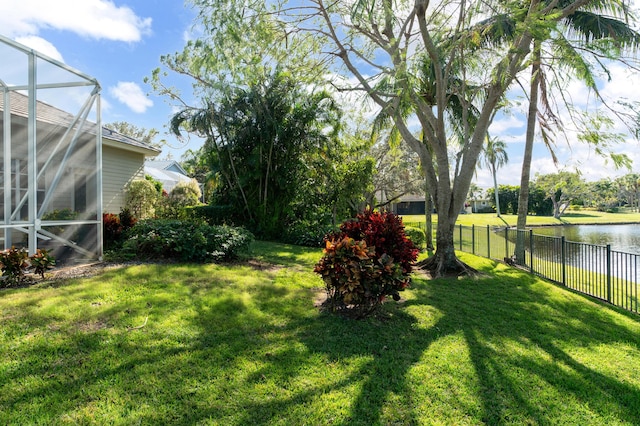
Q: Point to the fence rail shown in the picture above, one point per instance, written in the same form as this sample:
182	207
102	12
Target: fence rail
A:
595	270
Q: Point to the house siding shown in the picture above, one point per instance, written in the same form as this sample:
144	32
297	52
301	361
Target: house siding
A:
119	168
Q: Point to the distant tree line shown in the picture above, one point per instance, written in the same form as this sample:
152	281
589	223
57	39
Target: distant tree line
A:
552	194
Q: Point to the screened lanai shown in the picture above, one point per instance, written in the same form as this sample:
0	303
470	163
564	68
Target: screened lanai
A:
50	156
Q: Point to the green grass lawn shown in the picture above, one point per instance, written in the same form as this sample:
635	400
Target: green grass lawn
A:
580	217
243	344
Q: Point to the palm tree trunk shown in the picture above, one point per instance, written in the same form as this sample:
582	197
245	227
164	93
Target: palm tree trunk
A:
495	186
523	196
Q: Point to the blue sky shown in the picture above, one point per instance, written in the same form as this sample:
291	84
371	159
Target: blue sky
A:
119	42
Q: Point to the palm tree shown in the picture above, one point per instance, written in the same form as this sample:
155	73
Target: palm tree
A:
495	156
593	22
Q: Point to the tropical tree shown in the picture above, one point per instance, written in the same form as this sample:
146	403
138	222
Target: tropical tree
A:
383	47
629	189
397	173
597	35
338	181
592	31
494	156
260	136
561	188
141	134
448	54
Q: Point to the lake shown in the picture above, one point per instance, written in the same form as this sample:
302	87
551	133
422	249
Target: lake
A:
624	238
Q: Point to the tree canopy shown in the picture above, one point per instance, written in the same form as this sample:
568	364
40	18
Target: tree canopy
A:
418	61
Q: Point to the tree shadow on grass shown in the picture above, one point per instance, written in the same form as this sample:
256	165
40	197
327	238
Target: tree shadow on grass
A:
505	350
520	342
518	339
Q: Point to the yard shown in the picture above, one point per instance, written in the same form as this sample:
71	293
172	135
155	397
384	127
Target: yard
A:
244	344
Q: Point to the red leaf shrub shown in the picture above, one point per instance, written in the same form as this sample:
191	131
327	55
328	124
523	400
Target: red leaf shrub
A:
368	259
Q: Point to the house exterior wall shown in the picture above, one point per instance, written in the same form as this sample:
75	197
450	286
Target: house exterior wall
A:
119	168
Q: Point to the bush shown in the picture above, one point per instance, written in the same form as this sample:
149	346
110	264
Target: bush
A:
63	214
369	259
214	214
114	226
416	235
141	199
182	196
306	233
185	241
111	230
14	263
41	261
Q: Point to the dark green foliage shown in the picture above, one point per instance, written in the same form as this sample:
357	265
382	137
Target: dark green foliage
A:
156	183
539	205
369	259
185	241
127	220
262	136
63	214
508	198
14	263
416	235
214	214
307	233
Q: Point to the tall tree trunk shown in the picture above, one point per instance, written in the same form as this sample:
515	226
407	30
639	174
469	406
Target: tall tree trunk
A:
428	208
495	186
523	196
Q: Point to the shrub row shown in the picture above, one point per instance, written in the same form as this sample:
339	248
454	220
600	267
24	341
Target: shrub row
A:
185	241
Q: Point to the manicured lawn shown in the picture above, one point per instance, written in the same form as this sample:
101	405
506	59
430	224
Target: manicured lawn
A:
243	344
572	218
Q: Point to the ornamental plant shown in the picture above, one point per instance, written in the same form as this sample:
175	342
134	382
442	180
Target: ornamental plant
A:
41	261
368	259
14	263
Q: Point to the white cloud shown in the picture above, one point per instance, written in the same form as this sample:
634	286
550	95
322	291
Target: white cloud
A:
41	45
99	19
505	124
130	94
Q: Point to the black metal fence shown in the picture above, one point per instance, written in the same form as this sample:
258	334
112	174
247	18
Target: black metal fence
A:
595	270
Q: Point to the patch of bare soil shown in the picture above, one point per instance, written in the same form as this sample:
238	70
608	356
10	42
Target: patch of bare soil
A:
81	271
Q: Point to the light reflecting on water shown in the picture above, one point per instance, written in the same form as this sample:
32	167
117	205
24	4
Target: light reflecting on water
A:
624	238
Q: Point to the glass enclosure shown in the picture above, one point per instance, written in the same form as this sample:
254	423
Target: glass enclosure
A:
50	156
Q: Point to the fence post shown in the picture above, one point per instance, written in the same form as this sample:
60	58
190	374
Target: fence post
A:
488	243
473	238
531	250
609	273
564	261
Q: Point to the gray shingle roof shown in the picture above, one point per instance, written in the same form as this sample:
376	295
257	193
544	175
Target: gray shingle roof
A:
52	115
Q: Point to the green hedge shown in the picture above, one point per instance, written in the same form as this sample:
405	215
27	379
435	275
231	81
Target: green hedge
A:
185	241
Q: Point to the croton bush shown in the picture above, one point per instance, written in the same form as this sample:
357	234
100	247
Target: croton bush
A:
368	259
15	262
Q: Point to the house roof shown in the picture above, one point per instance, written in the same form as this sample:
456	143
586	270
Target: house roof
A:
55	116
131	143
168	178
170	165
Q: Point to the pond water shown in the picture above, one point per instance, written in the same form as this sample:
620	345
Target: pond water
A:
624	238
